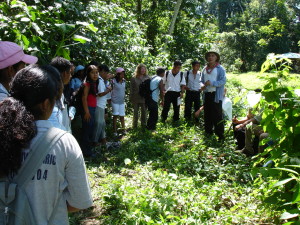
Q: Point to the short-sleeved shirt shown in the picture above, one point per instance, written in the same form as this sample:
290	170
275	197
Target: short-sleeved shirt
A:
173	83
101	101
118	92
193	80
63	171
75	84
154	87
3	92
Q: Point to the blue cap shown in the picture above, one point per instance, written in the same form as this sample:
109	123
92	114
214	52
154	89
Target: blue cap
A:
78	68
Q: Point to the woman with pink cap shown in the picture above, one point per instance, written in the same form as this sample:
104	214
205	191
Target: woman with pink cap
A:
118	98
12	59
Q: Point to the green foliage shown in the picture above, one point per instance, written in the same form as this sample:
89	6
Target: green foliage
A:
281	119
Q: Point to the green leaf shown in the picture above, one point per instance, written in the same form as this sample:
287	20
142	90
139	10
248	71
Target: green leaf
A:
287	170
296	195
287	215
25	19
81	39
25	40
282	182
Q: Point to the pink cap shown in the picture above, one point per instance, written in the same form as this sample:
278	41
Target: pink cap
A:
120	70
11	53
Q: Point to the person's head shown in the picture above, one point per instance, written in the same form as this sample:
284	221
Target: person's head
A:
212	57
12	59
79	72
160	71
64	66
103	71
92	73
141	70
34	90
176	66
196	65
120	74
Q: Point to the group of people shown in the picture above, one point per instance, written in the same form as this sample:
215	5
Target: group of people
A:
59	184
35	98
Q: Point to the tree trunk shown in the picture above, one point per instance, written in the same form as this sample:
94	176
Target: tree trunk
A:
176	10
139	10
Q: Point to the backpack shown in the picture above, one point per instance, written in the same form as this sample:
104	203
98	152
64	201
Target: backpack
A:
145	90
14	204
187	77
76	100
181	75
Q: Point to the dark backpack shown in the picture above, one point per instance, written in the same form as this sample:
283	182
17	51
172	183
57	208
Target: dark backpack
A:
145	90
76	100
181	75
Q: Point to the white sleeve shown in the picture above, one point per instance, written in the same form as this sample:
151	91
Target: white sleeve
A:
77	193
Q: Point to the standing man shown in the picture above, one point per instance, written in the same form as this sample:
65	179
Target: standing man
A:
157	90
174	82
60	116
12	59
213	79
192	88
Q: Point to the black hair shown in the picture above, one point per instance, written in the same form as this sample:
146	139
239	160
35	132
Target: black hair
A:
30	86
61	64
118	78
93	90
195	63
103	67
177	63
160	70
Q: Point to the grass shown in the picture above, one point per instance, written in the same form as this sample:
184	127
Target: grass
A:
253	80
176	175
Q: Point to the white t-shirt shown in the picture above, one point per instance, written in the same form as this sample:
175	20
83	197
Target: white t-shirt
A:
101	101
211	77
172	83
63	170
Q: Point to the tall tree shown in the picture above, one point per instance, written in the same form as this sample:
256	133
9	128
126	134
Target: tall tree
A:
176	10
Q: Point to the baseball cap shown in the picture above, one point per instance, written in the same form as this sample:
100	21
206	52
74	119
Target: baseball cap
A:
11	53
120	70
78	68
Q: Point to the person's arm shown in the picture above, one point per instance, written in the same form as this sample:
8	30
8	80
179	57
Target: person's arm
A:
105	92
71	208
162	91
87	114
221	78
245	123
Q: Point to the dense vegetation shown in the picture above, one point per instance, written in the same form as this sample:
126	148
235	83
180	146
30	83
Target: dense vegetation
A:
176	176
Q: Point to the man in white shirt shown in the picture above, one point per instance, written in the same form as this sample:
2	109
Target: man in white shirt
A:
12	59
192	96
60	116
174	82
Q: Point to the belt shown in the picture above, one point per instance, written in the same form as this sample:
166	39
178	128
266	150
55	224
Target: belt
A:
193	91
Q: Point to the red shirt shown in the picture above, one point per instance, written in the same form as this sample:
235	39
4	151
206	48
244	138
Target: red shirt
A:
91	98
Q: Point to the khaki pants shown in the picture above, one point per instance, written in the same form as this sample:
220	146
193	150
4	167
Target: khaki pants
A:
142	107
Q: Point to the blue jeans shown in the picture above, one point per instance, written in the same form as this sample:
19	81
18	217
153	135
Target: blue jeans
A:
87	133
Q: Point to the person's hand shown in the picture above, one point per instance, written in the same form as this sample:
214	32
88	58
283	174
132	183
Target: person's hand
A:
235	120
202	88
238	126
109	89
186	88
207	83
162	103
87	116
